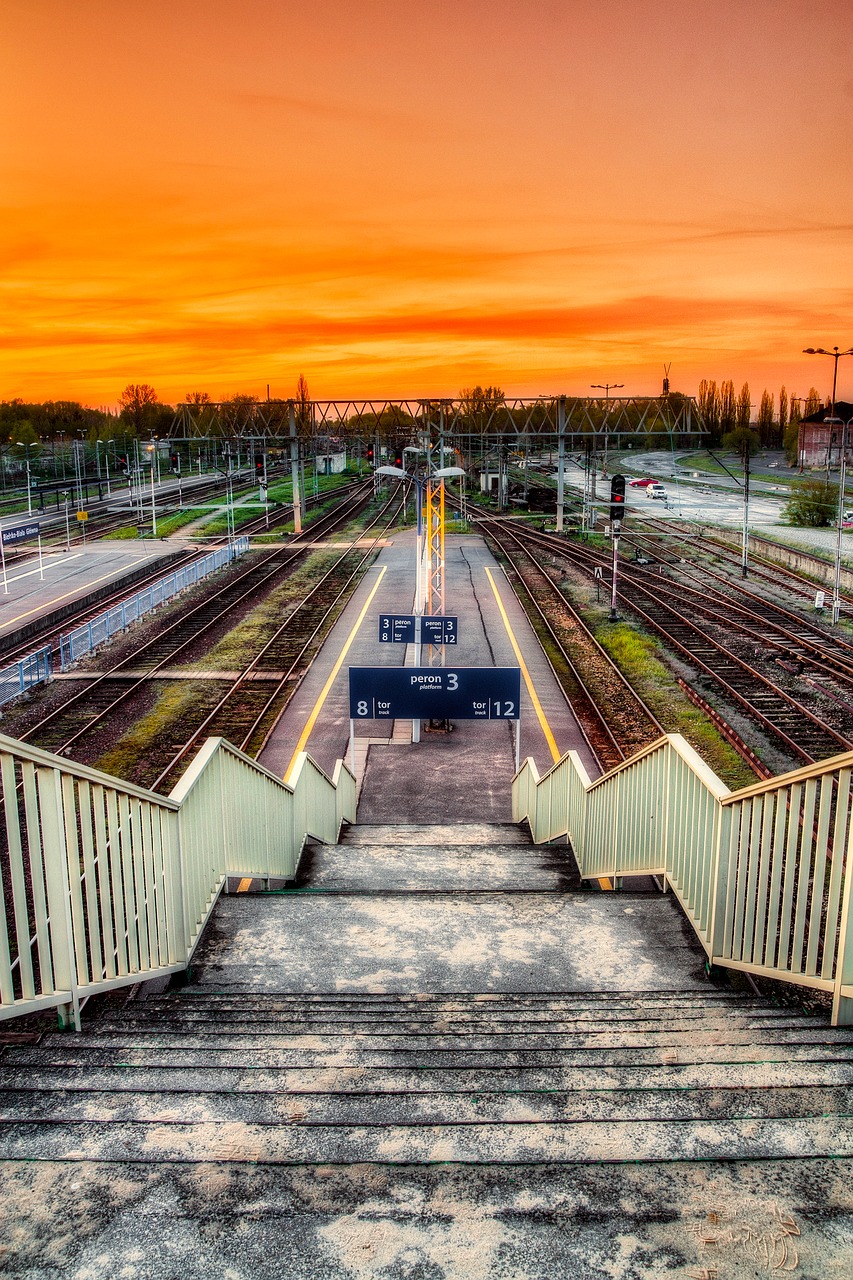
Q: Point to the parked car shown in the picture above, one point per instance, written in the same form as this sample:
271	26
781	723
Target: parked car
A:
637	484
655	490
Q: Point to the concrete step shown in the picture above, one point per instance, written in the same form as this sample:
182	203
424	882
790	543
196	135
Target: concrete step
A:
783	1072
622	1141
514	1004
384	868
181	1057
465	835
172	1022
604	1036
24	1106
426	1222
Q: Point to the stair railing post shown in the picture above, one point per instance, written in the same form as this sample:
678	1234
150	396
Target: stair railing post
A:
56	870
842	1005
719	879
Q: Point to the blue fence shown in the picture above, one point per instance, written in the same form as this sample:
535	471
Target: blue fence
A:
34	669
77	643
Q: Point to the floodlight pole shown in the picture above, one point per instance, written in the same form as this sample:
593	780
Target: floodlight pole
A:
842	477
561	461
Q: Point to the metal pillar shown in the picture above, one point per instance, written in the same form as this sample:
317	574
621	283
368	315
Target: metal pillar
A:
294	471
561	461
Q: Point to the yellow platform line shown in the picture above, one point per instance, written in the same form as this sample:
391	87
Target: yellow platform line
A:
604	882
534	697
318	705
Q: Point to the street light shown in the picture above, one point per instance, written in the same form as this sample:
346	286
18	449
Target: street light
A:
150	449
836	355
842	476
606	387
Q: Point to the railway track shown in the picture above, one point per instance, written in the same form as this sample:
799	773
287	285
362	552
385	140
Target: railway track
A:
105	703
615	726
685	624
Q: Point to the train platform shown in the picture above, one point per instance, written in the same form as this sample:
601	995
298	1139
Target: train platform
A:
459	776
81	573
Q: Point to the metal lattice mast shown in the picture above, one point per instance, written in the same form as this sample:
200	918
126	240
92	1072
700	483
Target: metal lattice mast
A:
435	552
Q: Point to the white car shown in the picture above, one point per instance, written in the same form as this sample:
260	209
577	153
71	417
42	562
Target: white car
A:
655	491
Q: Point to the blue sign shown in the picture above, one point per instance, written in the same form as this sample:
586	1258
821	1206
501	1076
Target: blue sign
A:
434	693
20	533
396	628
439	629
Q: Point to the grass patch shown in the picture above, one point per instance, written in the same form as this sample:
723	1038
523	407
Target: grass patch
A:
636	655
171	524
126	532
176	705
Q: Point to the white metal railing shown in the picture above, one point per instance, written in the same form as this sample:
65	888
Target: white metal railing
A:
761	873
34	669
105	884
76	644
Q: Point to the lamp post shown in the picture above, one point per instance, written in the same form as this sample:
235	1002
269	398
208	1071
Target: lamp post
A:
150	449
836	356
606	387
842	476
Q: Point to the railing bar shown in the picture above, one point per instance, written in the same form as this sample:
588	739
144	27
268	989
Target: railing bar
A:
796	826
117	877
140	915
839	844
12	815
44	946
103	865
804	877
768	813
72	854
783	816
84	800
818	880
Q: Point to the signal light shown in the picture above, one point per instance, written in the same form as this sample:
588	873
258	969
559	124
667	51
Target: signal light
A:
259	466
370	453
122	462
174	461
398	458
617	500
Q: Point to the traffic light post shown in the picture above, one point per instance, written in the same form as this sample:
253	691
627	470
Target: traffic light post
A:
617	512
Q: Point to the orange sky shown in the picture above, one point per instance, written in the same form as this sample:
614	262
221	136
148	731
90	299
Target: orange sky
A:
404	197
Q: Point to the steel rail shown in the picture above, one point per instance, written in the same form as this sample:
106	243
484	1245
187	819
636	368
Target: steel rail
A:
257	573
580	689
285	679
586	557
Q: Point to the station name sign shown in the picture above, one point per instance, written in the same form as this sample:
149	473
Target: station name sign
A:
20	533
396	628
421	693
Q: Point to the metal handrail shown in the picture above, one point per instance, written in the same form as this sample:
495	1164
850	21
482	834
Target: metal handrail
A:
105	883
763	874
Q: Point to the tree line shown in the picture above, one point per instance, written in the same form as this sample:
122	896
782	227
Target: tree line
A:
776	425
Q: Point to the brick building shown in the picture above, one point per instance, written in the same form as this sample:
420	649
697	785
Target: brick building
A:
819	444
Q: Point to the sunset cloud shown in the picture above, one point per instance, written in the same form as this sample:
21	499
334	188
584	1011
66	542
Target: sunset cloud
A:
421	196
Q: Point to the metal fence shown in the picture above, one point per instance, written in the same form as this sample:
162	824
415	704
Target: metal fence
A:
763	874
76	644
20	676
105	884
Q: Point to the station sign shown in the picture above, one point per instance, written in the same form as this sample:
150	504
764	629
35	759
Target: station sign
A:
439	629
434	693
20	533
395	628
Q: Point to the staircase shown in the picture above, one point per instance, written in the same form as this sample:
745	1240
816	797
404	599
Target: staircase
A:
437	1057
